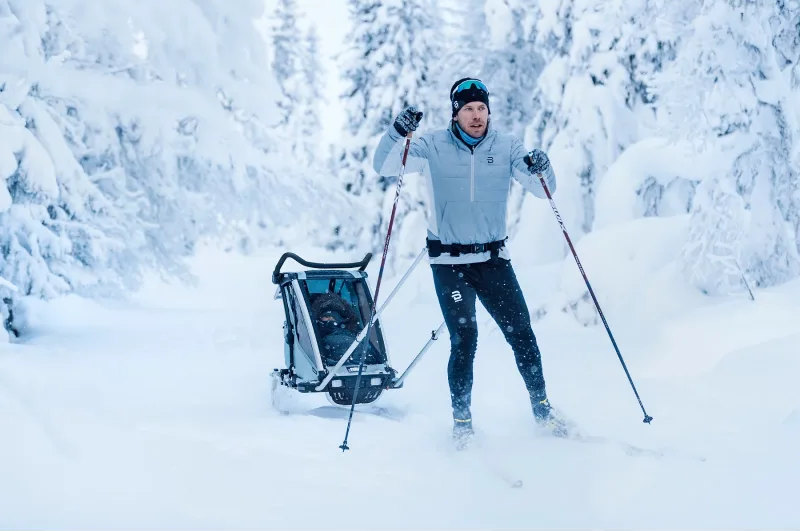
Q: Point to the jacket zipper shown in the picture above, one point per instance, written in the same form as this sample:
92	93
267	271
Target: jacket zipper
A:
472	176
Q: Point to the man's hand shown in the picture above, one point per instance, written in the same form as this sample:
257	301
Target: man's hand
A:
537	161
408	120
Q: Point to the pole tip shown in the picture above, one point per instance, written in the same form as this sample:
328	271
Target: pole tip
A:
344	447
647	419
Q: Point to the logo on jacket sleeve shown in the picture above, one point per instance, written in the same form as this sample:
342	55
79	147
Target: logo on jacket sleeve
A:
490	160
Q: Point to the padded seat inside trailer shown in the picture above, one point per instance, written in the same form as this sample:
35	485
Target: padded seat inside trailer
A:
339	309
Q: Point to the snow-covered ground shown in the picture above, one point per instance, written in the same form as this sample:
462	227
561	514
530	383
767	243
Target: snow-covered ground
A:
154	413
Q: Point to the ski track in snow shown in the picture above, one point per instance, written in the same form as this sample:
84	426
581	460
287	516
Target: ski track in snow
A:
155	413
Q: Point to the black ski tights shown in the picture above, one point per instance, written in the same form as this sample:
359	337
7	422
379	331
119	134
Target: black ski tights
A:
495	284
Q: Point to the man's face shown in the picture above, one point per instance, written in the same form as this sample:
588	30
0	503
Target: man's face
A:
473	118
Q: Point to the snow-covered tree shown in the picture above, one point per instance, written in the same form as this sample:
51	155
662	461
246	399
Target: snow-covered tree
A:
393	60
714	245
467	39
732	91
7	325
590	101
313	101
593	92
495	42
287	56
297	70
128	134
512	67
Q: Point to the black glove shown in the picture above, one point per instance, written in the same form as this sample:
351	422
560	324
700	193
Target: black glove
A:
537	161
408	120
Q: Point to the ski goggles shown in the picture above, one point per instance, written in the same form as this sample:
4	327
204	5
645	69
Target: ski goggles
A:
469	84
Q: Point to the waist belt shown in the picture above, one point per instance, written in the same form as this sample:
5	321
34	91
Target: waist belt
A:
436	247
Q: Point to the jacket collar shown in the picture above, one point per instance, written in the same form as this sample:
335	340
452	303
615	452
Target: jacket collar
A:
454	132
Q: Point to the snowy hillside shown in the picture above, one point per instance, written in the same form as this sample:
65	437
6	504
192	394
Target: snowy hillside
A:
156	414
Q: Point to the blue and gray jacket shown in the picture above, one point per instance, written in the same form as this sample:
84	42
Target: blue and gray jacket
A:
469	186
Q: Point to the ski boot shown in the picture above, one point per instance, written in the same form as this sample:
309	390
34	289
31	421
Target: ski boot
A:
462	433
547	418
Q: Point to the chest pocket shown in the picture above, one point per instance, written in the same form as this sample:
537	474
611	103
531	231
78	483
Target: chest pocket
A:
492	178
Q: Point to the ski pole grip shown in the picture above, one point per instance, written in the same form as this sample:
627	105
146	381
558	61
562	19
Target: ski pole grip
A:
529	163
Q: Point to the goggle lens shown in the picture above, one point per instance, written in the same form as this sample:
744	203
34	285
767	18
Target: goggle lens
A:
470	83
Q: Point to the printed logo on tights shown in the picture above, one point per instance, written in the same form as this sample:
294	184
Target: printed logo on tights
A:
456	296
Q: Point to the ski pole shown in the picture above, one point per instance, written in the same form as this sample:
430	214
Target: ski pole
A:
397	384
344	446
647	418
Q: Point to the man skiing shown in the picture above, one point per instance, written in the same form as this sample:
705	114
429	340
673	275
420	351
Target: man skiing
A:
469	167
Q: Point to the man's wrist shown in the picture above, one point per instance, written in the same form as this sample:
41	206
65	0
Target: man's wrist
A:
395	133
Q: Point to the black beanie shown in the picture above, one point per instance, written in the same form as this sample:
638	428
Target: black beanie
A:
464	96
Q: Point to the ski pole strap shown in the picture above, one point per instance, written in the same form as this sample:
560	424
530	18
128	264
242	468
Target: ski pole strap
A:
436	247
